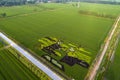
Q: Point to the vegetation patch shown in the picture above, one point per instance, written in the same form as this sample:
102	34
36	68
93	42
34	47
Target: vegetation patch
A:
63	23
11	68
73	54
96	14
54	62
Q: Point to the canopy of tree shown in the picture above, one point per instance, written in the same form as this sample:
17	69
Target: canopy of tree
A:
22	2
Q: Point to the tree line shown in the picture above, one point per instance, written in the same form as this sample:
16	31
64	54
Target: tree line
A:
102	1
16	2
22	2
96	14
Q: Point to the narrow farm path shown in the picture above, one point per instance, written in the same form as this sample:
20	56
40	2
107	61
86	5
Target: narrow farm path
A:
6	47
40	65
30	13
99	59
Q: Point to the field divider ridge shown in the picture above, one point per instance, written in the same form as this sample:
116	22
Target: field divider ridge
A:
105	47
32	59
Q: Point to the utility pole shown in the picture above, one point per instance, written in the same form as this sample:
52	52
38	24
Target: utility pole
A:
78	5
41	1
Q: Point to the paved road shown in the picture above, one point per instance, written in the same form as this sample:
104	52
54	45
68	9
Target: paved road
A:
40	65
99	60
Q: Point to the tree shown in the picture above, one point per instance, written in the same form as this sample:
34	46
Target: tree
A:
3	15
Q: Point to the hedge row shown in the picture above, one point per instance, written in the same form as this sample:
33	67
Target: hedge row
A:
96	14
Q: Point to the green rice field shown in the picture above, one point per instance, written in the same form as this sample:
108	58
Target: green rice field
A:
113	71
12	69
29	23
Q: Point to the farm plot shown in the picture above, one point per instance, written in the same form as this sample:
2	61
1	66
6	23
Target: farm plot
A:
102	9
22	10
64	23
69	27
1	44
113	71
12	69
72	54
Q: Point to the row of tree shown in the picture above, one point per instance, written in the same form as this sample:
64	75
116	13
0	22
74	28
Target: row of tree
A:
19	2
96	14
12	2
22	2
102	1
2	15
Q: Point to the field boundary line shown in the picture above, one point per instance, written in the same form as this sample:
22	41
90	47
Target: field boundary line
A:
92	73
39	58
6	47
35	61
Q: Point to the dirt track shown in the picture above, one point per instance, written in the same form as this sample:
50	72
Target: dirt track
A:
98	61
31	58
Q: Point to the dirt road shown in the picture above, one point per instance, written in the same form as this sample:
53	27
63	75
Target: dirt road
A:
31	58
100	58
